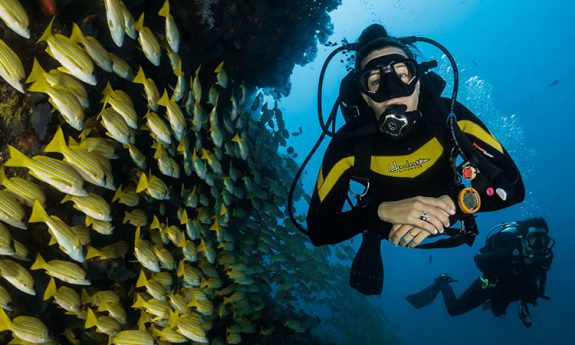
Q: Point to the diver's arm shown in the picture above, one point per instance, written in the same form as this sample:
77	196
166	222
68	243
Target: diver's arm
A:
492	160
327	222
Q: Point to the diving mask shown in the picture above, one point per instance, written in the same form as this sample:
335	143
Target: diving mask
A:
389	76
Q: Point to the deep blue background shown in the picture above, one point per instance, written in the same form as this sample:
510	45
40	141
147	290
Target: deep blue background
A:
509	52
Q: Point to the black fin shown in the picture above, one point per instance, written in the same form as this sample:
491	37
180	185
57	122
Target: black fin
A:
366	274
424	297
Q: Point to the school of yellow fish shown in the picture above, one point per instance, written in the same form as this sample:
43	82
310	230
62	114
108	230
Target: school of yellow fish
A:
204	214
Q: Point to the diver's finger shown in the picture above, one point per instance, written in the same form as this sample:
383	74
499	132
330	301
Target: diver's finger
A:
398	232
409	236
438	203
434	219
422	235
420	219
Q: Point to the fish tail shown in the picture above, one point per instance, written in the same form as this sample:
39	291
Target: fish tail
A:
165	99
107	92
39	263
50	289
47	33
140	77
142	183
117	194
165	10
58	143
127	217
142	280
2	175
91	319
92	253
181	269
155	224
77	35
5	322
137	236
140	302
17	158
140	23
85	297
39	214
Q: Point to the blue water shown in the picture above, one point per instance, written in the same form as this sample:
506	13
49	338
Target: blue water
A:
509	53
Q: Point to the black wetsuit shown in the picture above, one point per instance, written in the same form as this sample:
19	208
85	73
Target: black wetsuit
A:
416	165
506	278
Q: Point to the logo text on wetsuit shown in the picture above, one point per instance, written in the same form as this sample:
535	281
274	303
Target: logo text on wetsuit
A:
407	166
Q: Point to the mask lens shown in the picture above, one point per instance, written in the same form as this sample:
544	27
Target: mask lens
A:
396	79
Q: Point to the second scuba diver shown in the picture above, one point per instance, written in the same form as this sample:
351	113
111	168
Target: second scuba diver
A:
514	264
401	150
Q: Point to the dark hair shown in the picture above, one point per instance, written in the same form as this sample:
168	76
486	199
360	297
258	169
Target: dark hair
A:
375	37
537	222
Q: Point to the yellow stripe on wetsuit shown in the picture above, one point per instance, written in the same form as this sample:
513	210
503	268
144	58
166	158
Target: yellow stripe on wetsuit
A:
477	131
404	166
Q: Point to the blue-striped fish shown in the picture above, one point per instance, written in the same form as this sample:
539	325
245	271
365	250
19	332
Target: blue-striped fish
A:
92	205
100	226
121	68
63	100
129	22
158	127
27	328
144	253
115	310
18	276
116	126
127	196
115	20
83	161
165	258
20	251
153	306
64	82
11	211
65	297
136	217
150	88
221	75
172	33
137	156
148	42
104	324
153	287
103	146
15	17
189	325
180	88
132	337
5	299
11	68
199	118
60	231
113	251
196	86
175	115
154	187
73	59
168	166
6	241
63	270
168	335
95	50
122	103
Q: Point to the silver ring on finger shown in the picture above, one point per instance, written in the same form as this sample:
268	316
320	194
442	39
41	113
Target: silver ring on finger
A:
423	216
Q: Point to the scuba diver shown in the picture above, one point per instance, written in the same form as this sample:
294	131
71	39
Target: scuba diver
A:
401	143
514	264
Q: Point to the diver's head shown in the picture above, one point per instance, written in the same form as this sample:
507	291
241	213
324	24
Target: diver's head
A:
388	80
536	231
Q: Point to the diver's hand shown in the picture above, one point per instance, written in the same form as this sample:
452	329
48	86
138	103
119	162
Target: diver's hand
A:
409	212
407	235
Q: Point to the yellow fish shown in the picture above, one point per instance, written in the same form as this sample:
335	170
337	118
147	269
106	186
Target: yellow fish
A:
5	299
120	67
18	276
92	205
127	196
65	101
11	211
65	271
150	88
159	128
65	297
115	20
148	42
172	33
27	328
11	68
73	59
24	190
144	253
15	17
132	337
104	324
94	49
